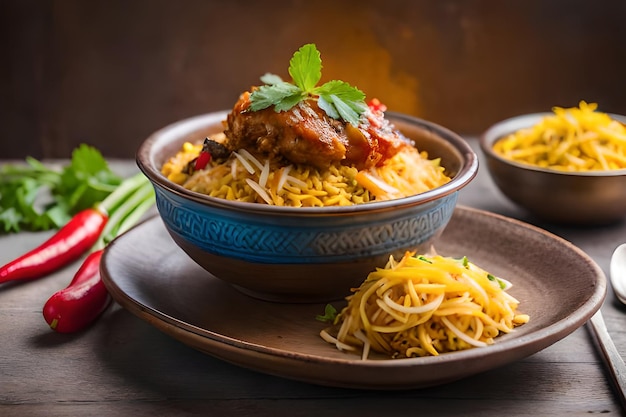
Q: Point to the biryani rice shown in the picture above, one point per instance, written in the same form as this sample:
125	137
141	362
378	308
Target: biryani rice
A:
249	178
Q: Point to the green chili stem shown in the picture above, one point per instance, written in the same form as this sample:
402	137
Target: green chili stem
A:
122	192
132	219
137	197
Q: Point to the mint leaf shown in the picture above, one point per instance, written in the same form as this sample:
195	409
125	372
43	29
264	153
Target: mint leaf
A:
269	78
326	104
344	109
305	67
337	99
288	102
340	100
341	89
281	95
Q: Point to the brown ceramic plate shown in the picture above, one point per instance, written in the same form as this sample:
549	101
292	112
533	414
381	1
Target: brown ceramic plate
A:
558	285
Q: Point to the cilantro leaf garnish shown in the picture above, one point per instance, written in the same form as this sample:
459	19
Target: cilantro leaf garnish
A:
86	180
338	99
495	279
425	259
329	316
36	197
282	96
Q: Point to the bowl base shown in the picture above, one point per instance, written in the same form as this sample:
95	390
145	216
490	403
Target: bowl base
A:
293	283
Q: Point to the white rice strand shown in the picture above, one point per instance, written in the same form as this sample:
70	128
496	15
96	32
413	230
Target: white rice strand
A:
283	177
296	181
265	173
251	158
260	191
245	163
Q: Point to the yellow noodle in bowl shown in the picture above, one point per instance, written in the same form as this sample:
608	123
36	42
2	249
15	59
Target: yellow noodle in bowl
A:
252	178
424	306
574	139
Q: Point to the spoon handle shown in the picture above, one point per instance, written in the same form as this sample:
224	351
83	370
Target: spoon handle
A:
612	358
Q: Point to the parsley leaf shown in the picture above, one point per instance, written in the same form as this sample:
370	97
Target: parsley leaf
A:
329	316
86	180
87	160
338	99
24	190
36	197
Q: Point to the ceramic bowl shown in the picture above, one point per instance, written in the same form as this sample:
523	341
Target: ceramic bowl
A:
290	254
574	198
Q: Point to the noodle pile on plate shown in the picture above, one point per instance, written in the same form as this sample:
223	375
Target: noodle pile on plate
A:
573	139
246	177
425	305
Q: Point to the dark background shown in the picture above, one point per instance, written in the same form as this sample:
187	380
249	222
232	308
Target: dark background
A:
109	73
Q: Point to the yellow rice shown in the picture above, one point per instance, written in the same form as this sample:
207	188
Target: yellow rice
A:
245	177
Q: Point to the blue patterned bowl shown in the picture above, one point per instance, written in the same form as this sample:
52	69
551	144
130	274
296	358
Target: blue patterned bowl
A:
290	254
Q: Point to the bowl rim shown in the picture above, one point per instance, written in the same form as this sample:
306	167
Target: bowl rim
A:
504	127
145	162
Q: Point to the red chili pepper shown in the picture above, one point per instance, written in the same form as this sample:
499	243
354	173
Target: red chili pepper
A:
202	161
82	301
65	246
204	157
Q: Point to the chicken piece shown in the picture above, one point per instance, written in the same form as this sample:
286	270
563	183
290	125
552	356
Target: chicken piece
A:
306	135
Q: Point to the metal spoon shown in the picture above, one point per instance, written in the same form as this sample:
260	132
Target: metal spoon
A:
613	360
618	272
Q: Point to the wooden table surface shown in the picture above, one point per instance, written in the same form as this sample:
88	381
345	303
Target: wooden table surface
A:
122	366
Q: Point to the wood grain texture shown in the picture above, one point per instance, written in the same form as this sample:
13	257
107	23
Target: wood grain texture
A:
124	366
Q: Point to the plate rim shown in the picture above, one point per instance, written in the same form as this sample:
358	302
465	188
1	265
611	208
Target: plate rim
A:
540	338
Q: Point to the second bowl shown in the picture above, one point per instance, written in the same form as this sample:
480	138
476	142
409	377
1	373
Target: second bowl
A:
576	198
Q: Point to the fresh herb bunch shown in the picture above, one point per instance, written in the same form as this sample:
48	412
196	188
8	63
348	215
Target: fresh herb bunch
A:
36	197
337	98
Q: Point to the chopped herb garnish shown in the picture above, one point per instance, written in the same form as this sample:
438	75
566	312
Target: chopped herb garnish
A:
330	313
337	98
425	259
501	284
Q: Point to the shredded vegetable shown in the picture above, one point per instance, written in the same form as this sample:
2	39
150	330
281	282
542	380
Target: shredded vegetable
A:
425	305
571	139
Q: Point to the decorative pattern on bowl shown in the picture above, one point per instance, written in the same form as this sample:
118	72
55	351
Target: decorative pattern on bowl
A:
329	239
